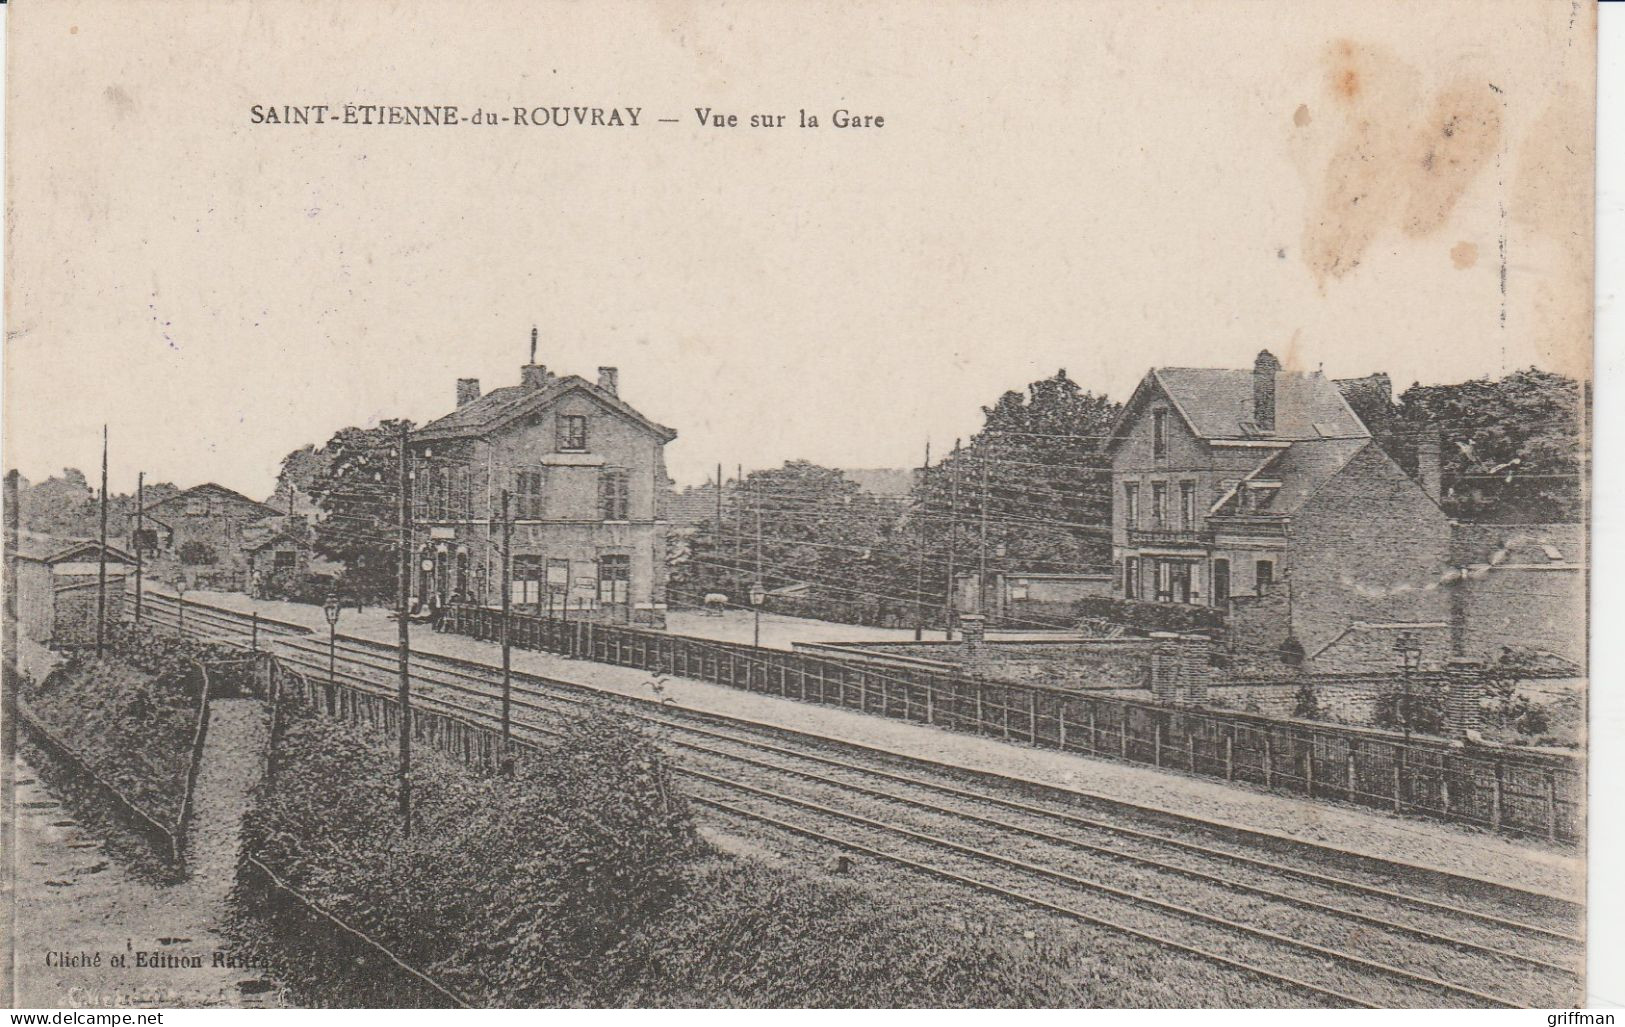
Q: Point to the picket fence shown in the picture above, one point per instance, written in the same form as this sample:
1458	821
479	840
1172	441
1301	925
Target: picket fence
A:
1506	790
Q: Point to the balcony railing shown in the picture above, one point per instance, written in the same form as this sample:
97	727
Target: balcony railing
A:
1169	537
1255	525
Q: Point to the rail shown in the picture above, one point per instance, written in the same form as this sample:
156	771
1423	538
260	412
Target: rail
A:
1507	791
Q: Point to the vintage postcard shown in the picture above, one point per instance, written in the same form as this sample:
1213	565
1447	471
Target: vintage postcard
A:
810	504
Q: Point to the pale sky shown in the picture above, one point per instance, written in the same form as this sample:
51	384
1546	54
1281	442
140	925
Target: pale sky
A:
1101	187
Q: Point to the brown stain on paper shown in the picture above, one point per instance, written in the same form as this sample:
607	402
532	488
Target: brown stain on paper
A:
1401	158
1464	255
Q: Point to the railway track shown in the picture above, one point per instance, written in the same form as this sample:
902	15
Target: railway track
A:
1374	937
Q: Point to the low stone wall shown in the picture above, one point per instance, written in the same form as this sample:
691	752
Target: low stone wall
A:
1111	663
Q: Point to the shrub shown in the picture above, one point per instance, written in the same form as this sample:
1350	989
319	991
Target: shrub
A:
196	553
1305	703
1291	651
300	588
1422	707
130	716
515	885
1147	617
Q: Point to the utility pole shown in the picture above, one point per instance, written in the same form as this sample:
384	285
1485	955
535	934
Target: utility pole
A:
402	600
981	559
8	700
953	504
919	542
140	524
101	559
756	501
507	651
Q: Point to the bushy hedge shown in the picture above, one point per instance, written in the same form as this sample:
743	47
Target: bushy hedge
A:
581	881
296	587
131	720
1146	617
507	887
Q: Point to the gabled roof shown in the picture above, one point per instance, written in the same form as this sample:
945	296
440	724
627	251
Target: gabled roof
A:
255	545
1305	467
500	406
209	488
1217	405
1217	402
48	549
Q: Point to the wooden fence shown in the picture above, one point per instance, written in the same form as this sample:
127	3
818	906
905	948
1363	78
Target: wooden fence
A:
1512	791
168	838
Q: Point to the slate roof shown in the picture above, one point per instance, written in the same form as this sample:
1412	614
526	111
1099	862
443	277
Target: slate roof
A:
254	545
49	549
210	487
1304	468
500	406
1216	402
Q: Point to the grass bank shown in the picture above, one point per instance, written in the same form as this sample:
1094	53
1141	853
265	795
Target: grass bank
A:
582	881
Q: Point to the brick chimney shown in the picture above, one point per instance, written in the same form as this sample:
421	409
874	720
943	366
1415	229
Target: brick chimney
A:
468	390
609	379
1265	368
1429	464
533	375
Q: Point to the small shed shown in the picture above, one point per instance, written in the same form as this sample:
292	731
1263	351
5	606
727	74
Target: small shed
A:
281	553
57	587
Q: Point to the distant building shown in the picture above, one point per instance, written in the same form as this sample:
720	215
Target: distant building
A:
281	552
200	531
1030	599
1262	492
586	476
58	584
1520	586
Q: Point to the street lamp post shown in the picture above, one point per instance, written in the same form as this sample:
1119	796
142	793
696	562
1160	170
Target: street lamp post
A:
757	596
330	609
180	604
1410	655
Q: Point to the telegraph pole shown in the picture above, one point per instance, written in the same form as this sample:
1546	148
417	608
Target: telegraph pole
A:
953	504
8	701
101	559
140	523
756	501
981	560
402	600
919	542
507	652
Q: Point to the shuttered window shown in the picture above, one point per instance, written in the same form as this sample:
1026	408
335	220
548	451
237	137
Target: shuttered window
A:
612	494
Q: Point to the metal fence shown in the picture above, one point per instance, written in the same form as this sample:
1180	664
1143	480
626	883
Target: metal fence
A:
1513	791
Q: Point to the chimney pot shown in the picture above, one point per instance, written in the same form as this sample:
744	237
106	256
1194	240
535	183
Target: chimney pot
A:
609	379
1265	368
1430	465
468	390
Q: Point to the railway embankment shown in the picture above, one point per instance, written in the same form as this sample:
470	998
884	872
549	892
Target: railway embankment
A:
1447	848
584	879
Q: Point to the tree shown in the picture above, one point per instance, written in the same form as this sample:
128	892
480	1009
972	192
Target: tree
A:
1513	450
196	553
62	506
300	470
1039	469
358	493
817	528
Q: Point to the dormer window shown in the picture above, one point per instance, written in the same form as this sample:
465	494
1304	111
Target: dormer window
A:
1159	433
572	433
